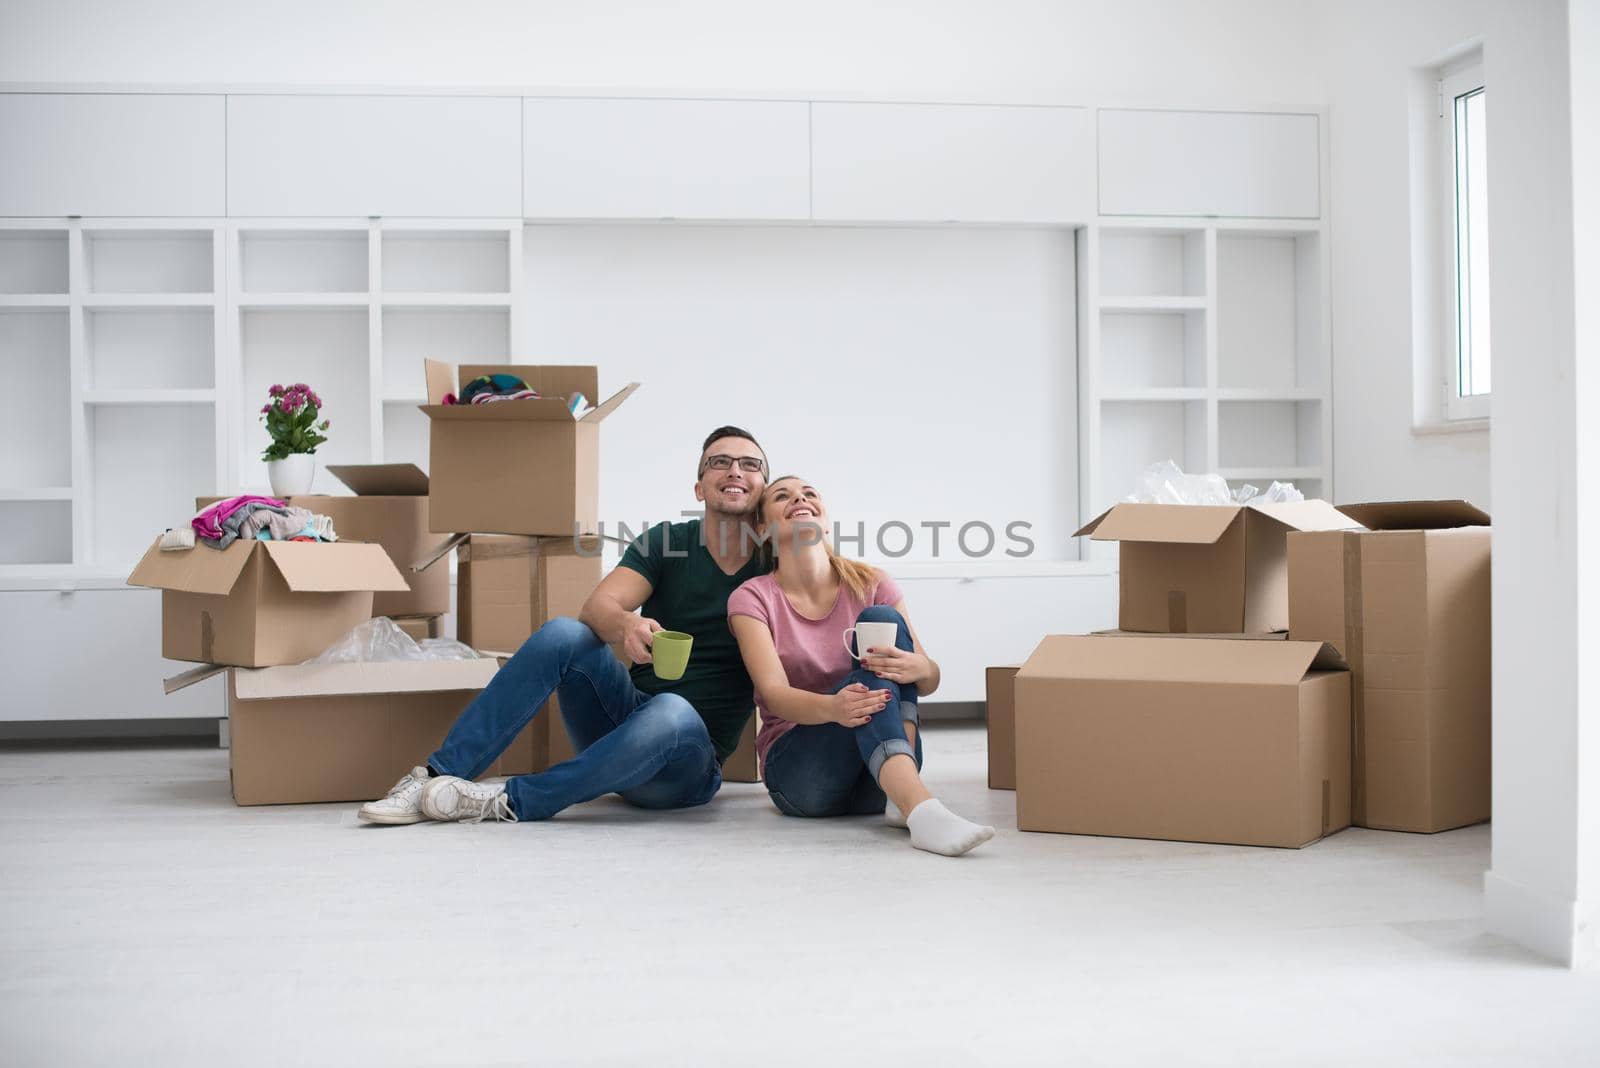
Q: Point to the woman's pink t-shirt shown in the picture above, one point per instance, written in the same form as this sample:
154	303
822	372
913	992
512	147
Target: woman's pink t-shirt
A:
812	651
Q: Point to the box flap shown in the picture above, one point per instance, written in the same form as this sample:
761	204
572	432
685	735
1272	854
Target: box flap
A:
319	567
1307	515
382	480
531	409
612	404
198	570
1190	524
1151	658
189	678
439	552
441	379
1416	515
320	680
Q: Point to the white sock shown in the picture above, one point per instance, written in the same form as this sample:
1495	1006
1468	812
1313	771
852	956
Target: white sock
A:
892	816
938	830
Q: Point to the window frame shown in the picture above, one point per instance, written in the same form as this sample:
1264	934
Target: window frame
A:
1454	83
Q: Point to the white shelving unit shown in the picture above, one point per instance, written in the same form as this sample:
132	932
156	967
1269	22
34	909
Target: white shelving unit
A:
145	349
1205	342
36	504
352	307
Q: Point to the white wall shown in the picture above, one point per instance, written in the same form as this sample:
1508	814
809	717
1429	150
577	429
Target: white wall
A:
1584	28
1007	51
1370	72
913	375
1541	889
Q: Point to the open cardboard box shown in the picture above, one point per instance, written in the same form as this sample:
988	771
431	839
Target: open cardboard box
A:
262	603
1000	717
390	508
1184	738
516	467
1219	569
1407	602
347	732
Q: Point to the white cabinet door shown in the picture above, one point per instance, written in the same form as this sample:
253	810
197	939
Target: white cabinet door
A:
111	154
374	155
947	162
1226	163
653	159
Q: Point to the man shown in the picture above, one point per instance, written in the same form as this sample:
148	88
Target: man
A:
659	744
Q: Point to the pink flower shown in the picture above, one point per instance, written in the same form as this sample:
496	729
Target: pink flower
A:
265	408
275	391
316	400
285	407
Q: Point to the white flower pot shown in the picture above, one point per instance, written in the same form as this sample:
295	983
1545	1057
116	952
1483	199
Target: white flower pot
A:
291	476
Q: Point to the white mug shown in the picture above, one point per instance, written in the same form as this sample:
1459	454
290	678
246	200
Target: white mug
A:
871	636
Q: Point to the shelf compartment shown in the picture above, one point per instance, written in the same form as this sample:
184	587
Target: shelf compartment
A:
1152	349
327	348
37	532
456	335
446	261
303	261
1152	263
147	465
1269	310
1269	435
1136	434
33	262
35	360
149	261
151	348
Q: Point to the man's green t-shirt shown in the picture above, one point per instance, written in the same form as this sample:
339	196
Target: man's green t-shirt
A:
689	592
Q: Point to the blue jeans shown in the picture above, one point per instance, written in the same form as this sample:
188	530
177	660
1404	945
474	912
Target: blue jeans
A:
654	751
828	769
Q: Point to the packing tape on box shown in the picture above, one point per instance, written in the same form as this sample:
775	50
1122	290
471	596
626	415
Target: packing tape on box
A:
1358	697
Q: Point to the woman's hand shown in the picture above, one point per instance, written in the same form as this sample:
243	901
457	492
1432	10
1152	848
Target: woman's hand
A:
855	704
897	665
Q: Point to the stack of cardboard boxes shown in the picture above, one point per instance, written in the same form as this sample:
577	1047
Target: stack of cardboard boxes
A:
526	471
533	552
1279	672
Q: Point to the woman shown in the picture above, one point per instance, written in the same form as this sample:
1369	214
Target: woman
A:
836	738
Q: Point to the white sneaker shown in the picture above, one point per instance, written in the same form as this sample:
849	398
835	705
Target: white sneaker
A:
403	803
449	798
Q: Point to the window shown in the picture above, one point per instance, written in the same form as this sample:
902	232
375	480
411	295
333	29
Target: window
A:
1465	232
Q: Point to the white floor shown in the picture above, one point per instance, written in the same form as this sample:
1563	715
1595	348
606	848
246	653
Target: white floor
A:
144	919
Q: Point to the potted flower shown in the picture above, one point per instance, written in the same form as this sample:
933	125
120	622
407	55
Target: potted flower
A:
291	417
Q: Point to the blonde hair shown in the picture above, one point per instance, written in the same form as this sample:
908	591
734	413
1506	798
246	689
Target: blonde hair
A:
859	578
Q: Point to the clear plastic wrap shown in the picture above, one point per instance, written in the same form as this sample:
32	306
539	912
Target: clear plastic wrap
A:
1166	483
380	640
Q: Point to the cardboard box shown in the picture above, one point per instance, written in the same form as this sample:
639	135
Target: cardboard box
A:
390	508
1186	739
262	603
1001	714
1207	569
1407	603
517	467
420	627
346	732
507	587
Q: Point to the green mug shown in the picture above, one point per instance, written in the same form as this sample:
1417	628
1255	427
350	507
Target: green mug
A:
669	653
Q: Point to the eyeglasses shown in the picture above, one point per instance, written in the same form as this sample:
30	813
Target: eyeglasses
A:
722	462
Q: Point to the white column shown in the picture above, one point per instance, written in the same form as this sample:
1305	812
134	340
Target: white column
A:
1542	62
